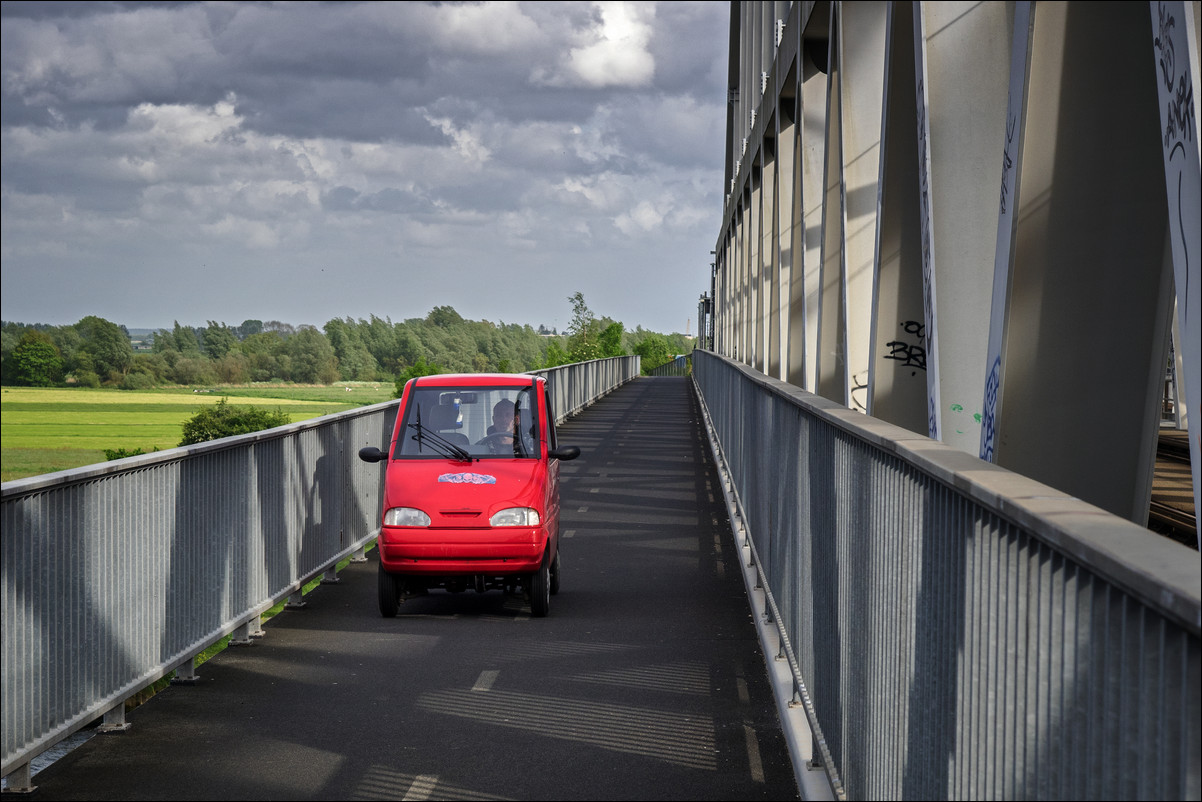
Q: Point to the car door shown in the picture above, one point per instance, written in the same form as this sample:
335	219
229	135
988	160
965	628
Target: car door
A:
549	444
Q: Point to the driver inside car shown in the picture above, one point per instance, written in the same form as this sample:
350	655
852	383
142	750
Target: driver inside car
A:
502	422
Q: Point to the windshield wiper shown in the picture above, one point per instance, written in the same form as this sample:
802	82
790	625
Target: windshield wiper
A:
439	443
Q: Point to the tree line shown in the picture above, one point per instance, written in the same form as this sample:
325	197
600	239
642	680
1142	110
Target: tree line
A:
96	352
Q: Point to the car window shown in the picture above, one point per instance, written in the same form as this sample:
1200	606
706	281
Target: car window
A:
552	442
471	421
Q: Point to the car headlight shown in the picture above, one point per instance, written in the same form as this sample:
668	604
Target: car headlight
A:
515	516
406	516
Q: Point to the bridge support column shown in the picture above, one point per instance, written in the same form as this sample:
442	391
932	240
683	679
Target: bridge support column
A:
248	633
20	781
185	673
114	719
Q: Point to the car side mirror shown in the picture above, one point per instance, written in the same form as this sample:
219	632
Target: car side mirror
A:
372	454
565	452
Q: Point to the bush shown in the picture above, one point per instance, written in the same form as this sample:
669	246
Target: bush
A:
121	453
138	380
222	420
87	378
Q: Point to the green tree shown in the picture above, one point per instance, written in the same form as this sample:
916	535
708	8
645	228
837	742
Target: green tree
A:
8	343
443	317
312	359
248	328
222	420
185	339
146	371
582	335
654	350
420	368
108	345
36	360
555	355
193	370
219	340
233	368
263	351
355	362
610	340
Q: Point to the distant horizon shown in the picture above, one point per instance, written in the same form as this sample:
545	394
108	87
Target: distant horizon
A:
152	329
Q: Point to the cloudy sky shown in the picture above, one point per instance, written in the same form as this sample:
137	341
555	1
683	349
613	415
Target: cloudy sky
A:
301	162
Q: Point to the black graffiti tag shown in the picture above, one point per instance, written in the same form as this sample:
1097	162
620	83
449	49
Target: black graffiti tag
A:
911	355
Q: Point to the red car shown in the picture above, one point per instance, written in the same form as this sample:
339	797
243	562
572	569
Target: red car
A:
471	496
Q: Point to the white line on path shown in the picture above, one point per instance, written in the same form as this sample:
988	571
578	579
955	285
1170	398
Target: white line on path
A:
753	754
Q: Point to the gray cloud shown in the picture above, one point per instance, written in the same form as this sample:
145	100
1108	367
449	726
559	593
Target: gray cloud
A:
250	142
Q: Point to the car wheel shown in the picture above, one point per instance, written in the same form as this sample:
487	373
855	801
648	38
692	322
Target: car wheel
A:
390	594
540	590
555	570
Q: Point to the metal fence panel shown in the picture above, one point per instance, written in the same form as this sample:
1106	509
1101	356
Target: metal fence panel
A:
962	631
116	574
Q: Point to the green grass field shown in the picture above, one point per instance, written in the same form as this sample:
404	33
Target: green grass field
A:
53	429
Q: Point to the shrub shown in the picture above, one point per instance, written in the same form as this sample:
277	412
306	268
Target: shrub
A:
138	380
222	420
87	378
121	453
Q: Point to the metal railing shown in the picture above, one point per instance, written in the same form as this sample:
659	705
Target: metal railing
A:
956	630
680	366
573	387
115	575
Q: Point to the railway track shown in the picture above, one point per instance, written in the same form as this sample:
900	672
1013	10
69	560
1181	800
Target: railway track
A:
1171	512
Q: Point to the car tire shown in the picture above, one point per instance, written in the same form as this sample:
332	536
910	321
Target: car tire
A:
390	594
556	567
540	590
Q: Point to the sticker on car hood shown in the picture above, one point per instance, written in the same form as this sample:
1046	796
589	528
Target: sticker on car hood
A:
468	478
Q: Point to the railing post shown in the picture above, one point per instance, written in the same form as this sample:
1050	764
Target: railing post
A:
114	719
185	673
20	780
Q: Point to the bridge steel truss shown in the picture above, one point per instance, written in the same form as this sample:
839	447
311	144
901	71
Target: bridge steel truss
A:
978	221
118	574
952	629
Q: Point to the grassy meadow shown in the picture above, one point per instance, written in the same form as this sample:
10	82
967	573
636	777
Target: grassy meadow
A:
52	429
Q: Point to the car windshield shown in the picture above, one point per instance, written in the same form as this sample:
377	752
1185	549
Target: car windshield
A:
470	422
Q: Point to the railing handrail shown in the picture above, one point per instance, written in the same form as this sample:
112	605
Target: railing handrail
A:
46	481
156	557
1149	566
940	612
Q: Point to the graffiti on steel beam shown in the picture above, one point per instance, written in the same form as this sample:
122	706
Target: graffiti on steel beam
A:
989	416
928	278
910	354
1007	159
1179	110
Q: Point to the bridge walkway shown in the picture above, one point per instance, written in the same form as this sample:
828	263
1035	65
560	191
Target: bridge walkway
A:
645	682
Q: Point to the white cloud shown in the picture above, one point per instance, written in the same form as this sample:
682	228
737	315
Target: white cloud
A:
614	52
643	218
468	143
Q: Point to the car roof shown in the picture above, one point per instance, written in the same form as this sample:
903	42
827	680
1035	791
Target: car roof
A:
477	380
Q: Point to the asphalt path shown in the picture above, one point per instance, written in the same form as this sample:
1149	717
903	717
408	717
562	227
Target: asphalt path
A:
646	681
